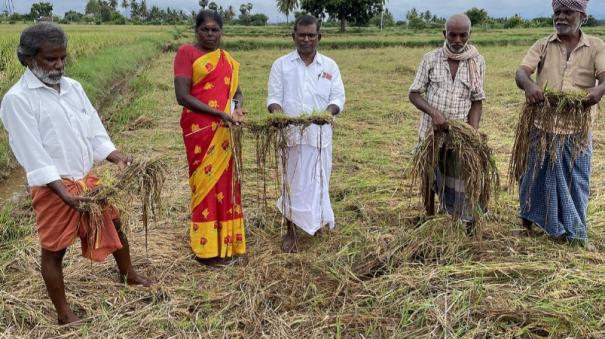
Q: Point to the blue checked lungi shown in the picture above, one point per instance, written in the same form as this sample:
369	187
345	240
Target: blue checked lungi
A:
555	195
450	186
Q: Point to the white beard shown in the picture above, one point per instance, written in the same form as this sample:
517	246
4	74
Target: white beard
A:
453	50
47	77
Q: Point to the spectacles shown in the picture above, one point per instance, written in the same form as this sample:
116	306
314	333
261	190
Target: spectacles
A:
311	36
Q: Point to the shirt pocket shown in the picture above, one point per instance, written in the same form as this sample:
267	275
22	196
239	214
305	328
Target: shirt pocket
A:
438	82
437	77
464	90
323	88
584	77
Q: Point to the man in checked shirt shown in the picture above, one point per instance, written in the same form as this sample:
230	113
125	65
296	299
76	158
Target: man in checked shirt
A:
449	85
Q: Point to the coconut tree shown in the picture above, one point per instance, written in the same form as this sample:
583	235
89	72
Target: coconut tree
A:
287	6
125	5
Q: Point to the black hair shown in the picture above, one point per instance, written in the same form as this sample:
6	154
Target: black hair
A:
206	14
307	20
34	36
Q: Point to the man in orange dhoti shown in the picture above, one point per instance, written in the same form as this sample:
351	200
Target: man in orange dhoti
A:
56	135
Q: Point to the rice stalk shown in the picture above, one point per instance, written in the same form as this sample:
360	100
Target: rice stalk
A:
142	180
271	134
561	116
470	148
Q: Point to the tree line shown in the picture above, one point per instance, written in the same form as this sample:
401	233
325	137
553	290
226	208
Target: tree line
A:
105	11
136	12
480	17
341	13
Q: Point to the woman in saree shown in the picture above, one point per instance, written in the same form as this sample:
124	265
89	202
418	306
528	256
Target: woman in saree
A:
206	85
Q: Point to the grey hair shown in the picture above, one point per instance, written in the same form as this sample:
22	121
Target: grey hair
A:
34	36
455	18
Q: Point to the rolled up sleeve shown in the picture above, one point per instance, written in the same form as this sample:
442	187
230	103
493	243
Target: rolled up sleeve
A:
337	91
421	81
479	94
600	61
275	93
25	141
532	58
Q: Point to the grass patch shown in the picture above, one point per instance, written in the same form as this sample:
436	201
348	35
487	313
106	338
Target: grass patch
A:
101	73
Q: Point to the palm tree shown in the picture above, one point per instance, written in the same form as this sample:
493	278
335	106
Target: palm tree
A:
287	6
383	5
125	5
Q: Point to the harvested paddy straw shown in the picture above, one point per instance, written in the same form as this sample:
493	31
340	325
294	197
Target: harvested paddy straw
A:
560	111
141	180
470	147
270	134
280	121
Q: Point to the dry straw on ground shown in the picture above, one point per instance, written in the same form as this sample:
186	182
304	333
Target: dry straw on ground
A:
470	147
377	276
560	111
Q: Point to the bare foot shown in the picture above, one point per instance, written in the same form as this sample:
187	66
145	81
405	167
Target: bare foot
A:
528	225
590	247
212	262
289	244
471	228
528	229
419	220
133	279
68	317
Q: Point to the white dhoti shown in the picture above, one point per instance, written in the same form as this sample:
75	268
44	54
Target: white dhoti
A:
305	200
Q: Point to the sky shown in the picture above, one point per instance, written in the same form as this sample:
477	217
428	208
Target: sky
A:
442	8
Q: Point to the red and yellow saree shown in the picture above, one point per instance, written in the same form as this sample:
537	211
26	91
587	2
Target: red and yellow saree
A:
217	225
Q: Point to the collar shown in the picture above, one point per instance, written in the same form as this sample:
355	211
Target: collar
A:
317	59
33	82
583	39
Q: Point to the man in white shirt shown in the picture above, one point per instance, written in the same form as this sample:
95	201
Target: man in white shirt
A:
302	82
56	135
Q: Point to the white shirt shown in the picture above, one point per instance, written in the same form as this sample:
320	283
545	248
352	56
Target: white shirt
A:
52	134
300	89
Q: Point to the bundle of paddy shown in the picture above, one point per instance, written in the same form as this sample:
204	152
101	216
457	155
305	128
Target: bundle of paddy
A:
142	180
271	133
281	121
560	111
478	167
